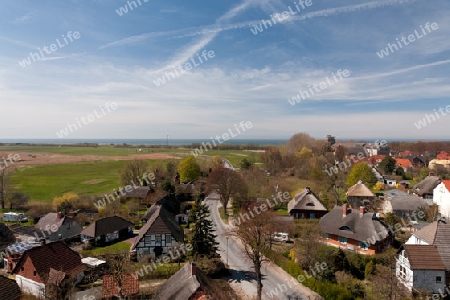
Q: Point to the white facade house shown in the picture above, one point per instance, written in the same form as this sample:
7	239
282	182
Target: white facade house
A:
424	262
441	197
159	235
421	267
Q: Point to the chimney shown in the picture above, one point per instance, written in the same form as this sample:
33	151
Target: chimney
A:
193	269
59	215
42	241
431	174
361	210
308	190
344	210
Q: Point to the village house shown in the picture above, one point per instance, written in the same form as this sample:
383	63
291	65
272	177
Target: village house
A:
107	230
188	283
360	195
426	187
403	204
441	197
158	235
306	205
142	193
356	230
424	263
14	252
403	163
48	264
420	267
56	226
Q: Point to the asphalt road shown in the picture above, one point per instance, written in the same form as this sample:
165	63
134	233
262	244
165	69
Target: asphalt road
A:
242	278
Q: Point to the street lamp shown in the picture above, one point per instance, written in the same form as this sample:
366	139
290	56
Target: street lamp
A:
227	236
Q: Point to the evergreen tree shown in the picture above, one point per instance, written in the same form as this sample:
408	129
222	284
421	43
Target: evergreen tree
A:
203	239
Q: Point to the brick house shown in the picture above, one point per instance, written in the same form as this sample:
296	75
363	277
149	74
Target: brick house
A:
42	266
355	230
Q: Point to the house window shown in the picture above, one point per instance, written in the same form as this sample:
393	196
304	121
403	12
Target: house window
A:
34	273
438	279
303	215
363	245
342	240
312	215
326	235
158	238
168	238
22	269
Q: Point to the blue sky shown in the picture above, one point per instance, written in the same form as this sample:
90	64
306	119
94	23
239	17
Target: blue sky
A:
250	78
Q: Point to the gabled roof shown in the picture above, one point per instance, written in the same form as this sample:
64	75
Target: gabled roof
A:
360	190
306	200
55	255
9	289
403	162
140	192
427	185
105	226
360	227
182	285
438	234
446	184
159	222
407	202
424	257
55	219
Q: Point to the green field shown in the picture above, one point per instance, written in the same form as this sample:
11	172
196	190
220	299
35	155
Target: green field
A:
44	182
48	181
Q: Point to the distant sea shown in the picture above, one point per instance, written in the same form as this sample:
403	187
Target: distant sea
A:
171	142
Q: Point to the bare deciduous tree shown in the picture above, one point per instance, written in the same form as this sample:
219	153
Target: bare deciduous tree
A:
133	171
255	234
229	184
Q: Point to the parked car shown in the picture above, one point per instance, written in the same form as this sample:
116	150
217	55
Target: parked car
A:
281	237
14	217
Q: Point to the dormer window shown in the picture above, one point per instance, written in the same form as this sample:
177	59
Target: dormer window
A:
345	228
310	204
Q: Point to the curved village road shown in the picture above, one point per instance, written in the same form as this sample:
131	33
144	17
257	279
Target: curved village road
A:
277	284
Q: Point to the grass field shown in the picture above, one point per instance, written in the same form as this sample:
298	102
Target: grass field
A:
48	181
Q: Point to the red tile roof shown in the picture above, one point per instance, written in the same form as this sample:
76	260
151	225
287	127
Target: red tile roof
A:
403	162
447	184
130	285
443	155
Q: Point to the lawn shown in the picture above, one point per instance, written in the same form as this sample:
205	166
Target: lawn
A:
48	181
114	248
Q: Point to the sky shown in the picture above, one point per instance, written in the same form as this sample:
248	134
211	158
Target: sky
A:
144	59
